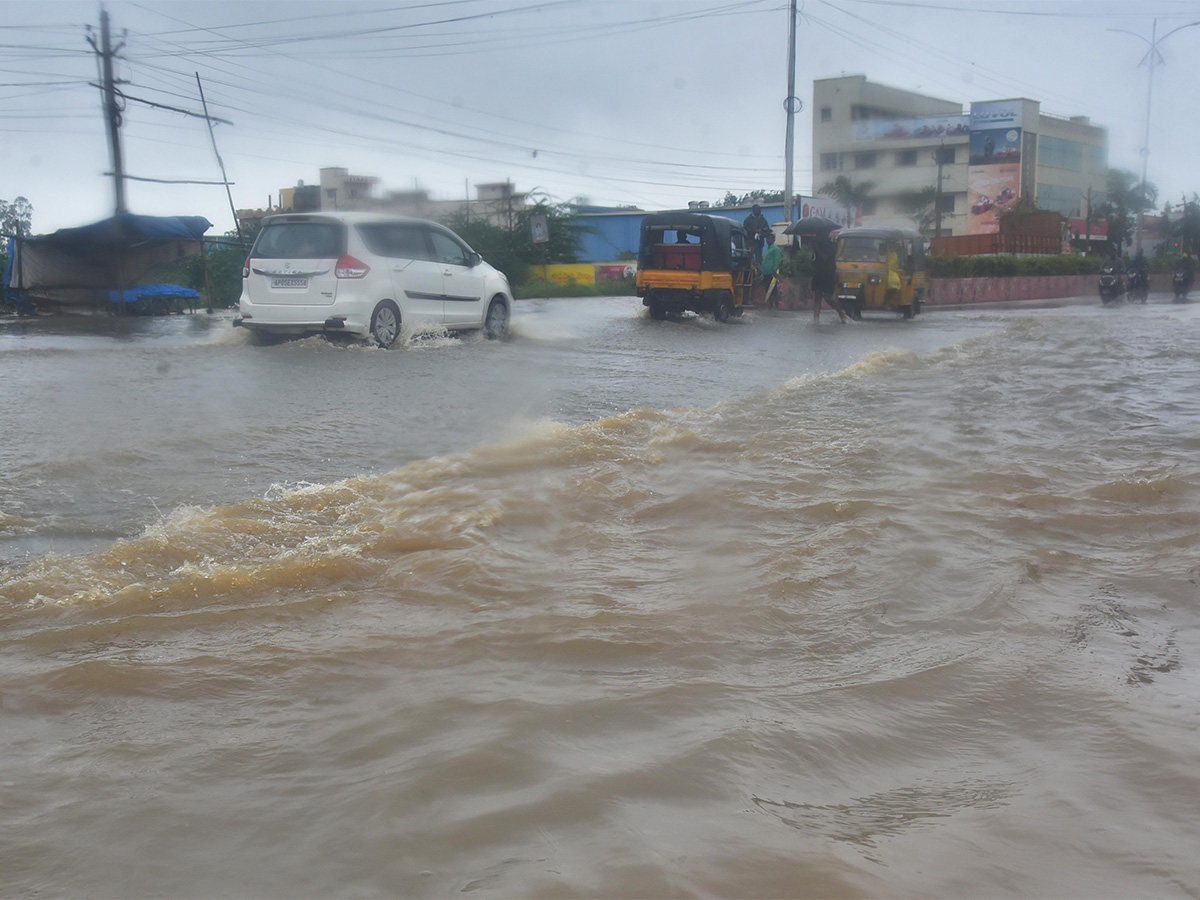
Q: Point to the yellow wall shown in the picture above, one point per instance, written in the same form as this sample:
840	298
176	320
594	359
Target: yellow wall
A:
565	273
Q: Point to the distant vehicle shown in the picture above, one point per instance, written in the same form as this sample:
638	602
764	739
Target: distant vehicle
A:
1182	282
367	275
1112	283
1139	285
693	262
862	266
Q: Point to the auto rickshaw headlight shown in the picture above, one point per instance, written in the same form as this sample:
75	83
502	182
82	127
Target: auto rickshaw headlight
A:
875	279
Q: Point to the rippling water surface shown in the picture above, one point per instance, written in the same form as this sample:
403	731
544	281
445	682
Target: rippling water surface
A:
617	608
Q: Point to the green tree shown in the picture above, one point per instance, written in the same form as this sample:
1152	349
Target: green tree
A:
16	218
513	251
922	206
761	195
1127	196
1182	226
847	193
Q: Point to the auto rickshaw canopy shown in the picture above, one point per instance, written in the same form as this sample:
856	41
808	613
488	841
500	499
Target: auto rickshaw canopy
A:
908	242
720	238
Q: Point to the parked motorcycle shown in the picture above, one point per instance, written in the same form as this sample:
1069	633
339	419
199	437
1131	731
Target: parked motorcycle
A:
1183	283
1139	286
1112	284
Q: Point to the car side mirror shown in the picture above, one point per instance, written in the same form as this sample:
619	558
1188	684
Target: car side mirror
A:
473	259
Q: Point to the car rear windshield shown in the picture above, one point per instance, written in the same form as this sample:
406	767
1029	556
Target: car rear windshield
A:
301	240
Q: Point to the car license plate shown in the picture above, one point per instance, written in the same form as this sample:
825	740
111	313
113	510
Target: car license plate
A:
289	282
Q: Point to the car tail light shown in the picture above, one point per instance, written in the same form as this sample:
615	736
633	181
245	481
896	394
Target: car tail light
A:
246	268
349	267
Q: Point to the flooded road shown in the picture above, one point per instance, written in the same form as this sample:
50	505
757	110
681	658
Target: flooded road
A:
615	608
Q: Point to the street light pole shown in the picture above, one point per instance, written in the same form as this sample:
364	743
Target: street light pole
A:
1153	56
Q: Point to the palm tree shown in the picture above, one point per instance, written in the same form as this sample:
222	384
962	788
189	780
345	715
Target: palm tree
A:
1127	196
847	193
922	204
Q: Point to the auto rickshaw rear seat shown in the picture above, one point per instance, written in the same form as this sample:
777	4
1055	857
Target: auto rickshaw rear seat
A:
676	256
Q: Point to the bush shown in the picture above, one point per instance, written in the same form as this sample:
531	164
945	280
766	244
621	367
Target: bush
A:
796	263
1010	266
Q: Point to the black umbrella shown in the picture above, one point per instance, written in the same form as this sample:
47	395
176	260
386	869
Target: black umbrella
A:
812	225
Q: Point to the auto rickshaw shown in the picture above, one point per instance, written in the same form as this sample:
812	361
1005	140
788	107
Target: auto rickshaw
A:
694	261
881	268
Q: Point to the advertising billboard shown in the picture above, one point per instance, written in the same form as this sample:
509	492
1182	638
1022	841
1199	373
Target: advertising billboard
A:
994	164
909	129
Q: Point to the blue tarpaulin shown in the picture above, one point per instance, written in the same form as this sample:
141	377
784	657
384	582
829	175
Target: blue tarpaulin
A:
151	291
123	231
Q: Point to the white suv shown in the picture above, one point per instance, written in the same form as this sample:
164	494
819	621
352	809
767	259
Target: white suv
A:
367	274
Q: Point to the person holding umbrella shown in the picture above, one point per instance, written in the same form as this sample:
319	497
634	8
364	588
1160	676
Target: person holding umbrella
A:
824	281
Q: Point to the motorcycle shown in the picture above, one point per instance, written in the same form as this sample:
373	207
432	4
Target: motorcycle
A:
1183	284
1112	284
1139	286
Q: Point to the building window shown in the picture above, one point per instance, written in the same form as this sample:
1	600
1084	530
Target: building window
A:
1097	157
868	206
1060	199
946	156
906	157
859	112
829	162
1061	153
946	203
826	113
864	160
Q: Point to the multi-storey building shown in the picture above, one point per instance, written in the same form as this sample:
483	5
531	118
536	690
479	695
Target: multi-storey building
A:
496	202
976	164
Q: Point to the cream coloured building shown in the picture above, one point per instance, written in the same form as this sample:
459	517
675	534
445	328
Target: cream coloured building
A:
990	154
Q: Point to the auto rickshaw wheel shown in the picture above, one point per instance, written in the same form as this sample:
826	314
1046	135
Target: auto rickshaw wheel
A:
907	311
724	309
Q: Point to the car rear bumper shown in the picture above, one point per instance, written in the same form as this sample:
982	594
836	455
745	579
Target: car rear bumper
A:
342	318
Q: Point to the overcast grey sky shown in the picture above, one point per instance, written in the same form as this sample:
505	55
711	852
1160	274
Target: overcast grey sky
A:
646	102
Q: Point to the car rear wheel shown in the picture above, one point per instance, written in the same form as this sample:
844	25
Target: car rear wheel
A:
496	323
385	324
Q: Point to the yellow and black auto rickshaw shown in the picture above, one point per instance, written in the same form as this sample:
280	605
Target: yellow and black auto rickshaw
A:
693	261
881	269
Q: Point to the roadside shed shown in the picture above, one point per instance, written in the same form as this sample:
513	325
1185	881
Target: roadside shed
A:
78	266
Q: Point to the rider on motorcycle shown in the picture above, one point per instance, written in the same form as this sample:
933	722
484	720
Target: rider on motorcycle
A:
1139	266
1187	266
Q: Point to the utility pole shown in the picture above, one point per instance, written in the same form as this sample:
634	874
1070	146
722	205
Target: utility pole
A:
1152	56
793	105
112	112
220	162
937	200
1088	222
